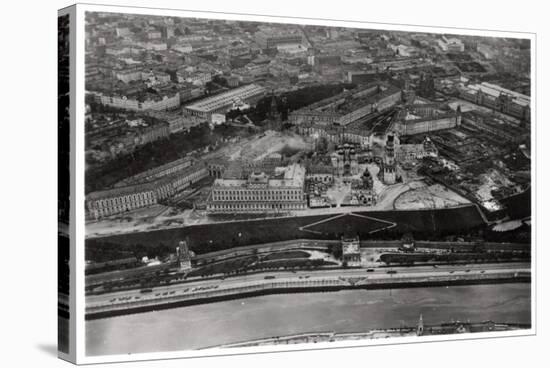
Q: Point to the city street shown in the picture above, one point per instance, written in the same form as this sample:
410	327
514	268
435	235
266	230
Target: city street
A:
244	280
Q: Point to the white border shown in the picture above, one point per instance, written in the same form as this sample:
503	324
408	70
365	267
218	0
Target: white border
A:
71	356
79	197
81	357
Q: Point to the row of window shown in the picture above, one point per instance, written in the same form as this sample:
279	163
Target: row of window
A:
428	126
107	211
263	195
261	192
131	198
490	101
114	205
231	198
318	178
223	101
180	183
132	104
255	206
188	179
156	173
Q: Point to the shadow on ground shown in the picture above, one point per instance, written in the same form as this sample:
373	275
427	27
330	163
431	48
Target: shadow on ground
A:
50	349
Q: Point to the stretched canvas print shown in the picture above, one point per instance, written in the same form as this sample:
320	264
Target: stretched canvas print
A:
236	184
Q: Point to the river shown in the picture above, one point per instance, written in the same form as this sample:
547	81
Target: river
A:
225	322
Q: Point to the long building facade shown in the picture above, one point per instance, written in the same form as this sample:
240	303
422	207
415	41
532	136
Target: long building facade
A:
158	172
267	40
348	106
140	194
499	99
362	132
224	101
166	102
334	134
260	193
425	118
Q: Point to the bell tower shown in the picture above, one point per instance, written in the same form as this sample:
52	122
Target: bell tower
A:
274	115
389	160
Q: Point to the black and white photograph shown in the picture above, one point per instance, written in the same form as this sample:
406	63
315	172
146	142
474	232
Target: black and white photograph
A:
274	184
260	184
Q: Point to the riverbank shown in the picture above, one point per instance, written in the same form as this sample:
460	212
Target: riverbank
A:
104	306
347	311
330	336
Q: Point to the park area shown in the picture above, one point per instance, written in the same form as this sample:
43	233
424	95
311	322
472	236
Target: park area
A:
284	260
404	259
425	224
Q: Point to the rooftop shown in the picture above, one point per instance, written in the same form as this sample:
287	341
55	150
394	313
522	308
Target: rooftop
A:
292	176
373	123
224	99
496	91
349	101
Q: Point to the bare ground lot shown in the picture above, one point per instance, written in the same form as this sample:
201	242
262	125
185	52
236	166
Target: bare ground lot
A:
145	219
433	196
256	147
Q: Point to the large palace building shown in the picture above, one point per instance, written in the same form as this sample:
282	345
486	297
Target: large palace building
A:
260	193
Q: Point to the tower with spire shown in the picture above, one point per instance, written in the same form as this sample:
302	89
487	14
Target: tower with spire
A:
182	253
389	160
274	115
420	326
